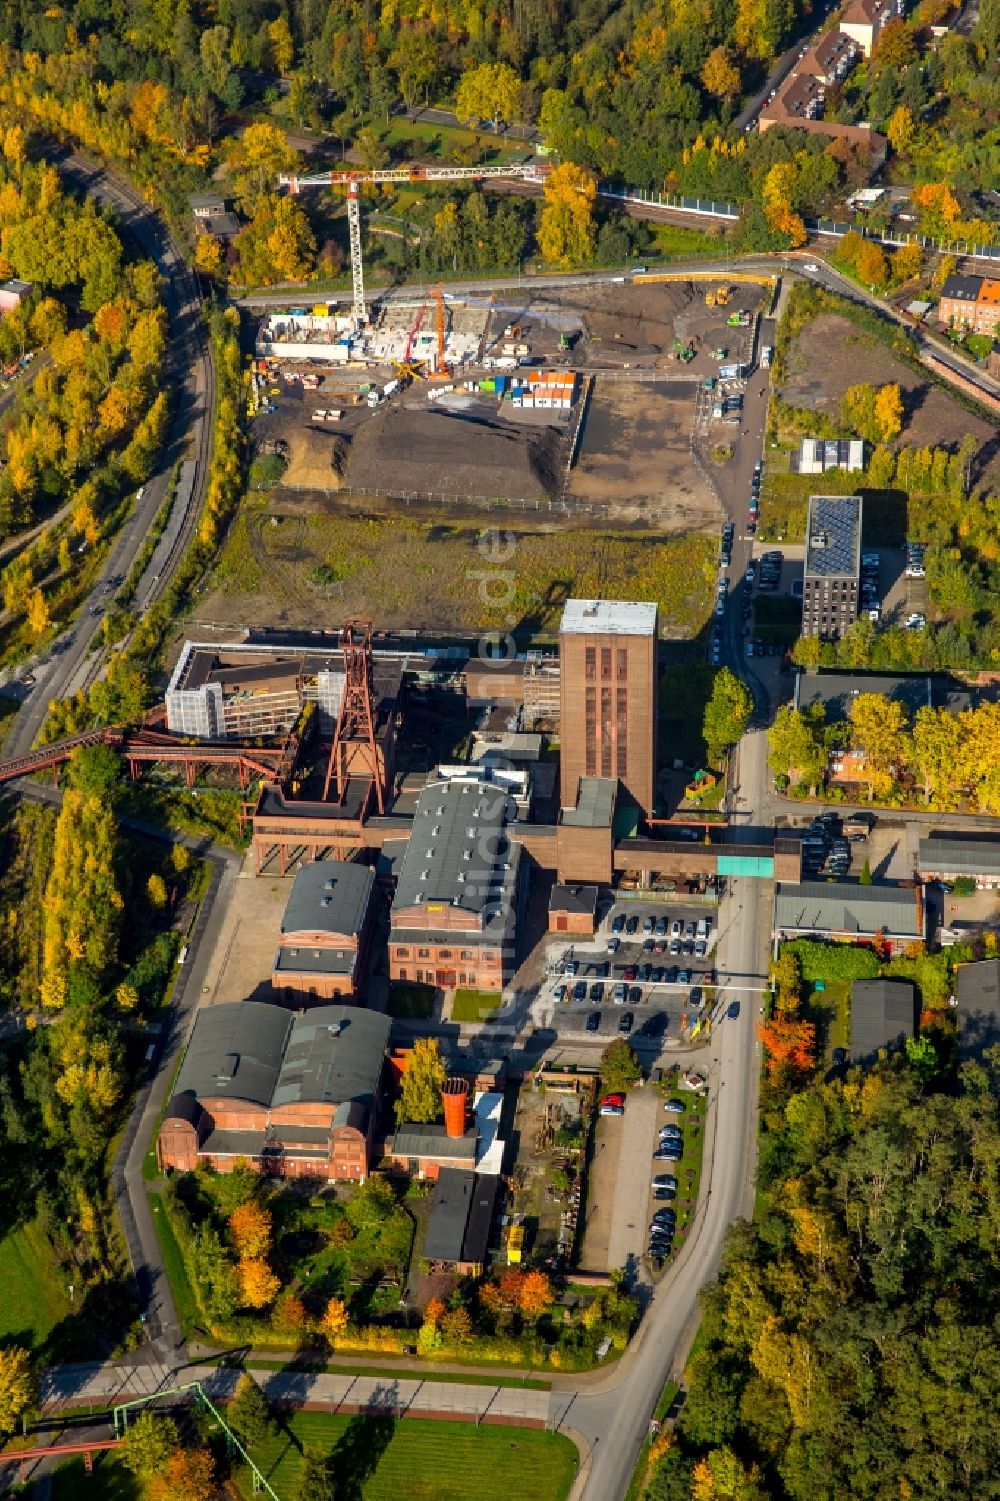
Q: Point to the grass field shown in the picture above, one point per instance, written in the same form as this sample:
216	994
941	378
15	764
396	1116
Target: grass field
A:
377	1459
410	573
35	1296
474	1005
109	1481
830	1010
680	240
184	1299
411	1002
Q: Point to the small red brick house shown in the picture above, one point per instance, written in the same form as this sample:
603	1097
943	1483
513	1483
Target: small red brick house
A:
573	909
297	1095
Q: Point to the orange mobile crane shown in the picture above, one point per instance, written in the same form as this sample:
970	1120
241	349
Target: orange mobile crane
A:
354	181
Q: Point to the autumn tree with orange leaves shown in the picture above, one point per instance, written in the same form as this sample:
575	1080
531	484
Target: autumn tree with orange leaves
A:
188	1475
258	1284
250	1231
789	1047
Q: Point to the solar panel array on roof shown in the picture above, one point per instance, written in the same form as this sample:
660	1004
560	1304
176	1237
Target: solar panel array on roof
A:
834	536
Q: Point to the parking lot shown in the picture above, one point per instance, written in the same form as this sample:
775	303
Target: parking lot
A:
835	846
644	974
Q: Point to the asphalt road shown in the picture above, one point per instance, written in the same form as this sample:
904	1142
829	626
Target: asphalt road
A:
189	374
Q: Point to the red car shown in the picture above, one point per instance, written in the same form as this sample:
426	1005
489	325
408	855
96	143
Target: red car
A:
628	973
613	1099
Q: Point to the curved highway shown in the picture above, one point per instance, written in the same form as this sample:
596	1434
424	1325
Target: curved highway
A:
189	374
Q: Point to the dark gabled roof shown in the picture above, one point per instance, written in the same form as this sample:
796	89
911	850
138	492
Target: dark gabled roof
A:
480	1222
449	1214
977	987
334	1053
846	907
236	1051
269	1057
882	1012
962	288
183	1107
329	896
962	856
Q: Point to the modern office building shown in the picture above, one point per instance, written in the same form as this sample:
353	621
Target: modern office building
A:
607	690
832	579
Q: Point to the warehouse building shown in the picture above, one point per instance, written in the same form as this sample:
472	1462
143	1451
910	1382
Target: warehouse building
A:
461	1222
840	911
325	932
947	857
296	1095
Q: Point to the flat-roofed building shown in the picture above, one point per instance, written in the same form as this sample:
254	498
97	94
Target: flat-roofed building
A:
816	455
459	890
325	931
954	857
297	1095
832	575
607	715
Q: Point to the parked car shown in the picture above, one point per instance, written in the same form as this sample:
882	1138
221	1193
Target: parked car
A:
635	996
612	1110
612	1098
684	977
734	1010
665	1180
663	1194
669	1152
580	990
676	1106
619	993
648	924
676	928
632	924
670	975
628	973
618	923
614	944
597	992
594	1021
665	1217
626	1022
559	994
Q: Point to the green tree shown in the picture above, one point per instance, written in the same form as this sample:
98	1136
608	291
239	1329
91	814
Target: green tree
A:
156	891
214	1274
315	1479
423	1078
865	878
249	1415
922	1057
727	714
373	1203
938	753
95	770
795	744
149	1441
878	730
620	1068
492	91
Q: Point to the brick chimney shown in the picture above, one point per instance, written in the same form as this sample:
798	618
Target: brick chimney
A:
455	1098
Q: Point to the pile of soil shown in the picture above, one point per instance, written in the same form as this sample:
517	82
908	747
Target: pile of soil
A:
474	453
317	459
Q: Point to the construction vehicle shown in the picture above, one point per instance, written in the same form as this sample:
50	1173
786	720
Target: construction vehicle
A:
722	297
354	181
710	297
682	351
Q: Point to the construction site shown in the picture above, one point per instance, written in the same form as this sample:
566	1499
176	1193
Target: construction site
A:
590	400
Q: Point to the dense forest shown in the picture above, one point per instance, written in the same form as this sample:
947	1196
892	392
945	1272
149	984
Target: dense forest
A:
849	1347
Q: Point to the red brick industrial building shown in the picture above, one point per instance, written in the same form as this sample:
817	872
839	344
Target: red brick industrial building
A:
325	932
296	1095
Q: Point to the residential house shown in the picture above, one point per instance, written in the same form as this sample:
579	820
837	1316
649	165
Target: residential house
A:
883	1015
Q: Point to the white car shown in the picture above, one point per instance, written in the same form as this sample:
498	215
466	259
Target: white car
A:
614	944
